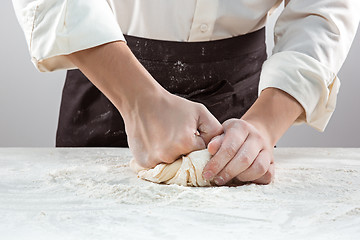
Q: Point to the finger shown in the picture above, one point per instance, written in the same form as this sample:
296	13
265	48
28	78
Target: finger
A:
258	168
228	149
215	144
185	144
193	142
198	143
268	177
208	125
242	161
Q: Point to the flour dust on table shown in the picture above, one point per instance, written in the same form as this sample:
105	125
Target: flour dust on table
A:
93	194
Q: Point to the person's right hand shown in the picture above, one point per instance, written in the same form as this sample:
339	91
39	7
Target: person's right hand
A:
160	126
165	126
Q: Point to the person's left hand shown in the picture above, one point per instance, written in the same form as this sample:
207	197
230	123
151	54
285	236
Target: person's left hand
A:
242	153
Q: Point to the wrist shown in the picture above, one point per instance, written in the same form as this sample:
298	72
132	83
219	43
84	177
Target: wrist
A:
130	85
273	113
263	127
134	103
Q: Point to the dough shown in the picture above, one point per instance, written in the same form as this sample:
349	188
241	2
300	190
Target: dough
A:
186	171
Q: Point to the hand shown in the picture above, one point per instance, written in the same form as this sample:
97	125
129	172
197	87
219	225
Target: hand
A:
242	153
245	151
164	127
160	126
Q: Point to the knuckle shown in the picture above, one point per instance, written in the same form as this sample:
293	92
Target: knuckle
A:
230	150
257	136
236	124
241	127
218	129
244	123
246	159
201	107
222	178
262	169
228	123
214	165
227	175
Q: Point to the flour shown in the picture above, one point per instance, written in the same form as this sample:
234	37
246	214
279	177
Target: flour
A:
92	194
113	179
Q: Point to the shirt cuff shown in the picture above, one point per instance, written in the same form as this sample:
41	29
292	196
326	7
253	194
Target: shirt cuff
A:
311	83
64	27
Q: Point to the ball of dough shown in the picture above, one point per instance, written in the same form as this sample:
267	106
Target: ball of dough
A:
186	171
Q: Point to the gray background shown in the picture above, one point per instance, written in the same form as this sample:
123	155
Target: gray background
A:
29	100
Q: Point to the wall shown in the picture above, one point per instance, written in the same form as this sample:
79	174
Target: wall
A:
29	100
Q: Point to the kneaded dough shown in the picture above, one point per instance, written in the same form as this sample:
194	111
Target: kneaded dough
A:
186	171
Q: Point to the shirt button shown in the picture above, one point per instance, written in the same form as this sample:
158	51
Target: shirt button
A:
204	27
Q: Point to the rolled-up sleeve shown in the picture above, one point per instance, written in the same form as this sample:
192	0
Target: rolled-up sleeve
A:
55	28
312	39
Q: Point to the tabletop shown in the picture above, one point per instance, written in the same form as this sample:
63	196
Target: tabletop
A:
90	193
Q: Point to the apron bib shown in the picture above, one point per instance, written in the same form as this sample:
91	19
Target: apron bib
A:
223	75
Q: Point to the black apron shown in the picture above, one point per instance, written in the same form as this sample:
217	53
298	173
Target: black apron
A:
223	75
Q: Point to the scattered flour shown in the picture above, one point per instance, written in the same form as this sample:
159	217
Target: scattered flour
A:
92	193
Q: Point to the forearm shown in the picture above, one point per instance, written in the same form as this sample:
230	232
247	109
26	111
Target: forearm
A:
159	126
115	71
273	113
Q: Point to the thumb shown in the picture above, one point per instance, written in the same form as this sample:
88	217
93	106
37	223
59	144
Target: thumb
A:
208	125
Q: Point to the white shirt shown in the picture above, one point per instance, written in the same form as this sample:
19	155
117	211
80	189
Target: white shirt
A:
312	37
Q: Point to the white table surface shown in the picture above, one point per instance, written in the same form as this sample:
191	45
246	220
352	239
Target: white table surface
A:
48	193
